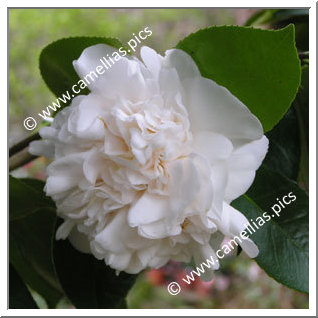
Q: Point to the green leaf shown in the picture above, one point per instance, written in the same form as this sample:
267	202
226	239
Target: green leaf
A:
283	153
30	251
88	282
279	18
283	240
301	104
300	18
26	196
259	67
19	295
56	62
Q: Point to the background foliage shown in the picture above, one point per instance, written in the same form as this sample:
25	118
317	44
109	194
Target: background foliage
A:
265	74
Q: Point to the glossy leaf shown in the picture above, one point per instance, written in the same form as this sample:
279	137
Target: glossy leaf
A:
30	252
300	18
88	282
26	196
279	18
19	295
283	153
283	240
260	67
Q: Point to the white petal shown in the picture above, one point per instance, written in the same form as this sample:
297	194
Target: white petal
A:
59	184
136	139
216	239
118	261
86	120
242	166
123	79
250	248
145	255
64	173
169	82
72	203
219	179
42	148
116	234
158	230
135	266
233	221
232	224
183	188
48	132
149	208
93	165
114	146
212	107
182	62
201	178
213	146
64	229
205	254
152	60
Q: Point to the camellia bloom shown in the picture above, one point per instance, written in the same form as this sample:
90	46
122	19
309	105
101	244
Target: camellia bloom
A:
145	167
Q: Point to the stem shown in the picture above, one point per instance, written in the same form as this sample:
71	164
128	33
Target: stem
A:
20	159
23	144
19	155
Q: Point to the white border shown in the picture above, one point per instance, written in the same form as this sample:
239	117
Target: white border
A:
158	312
312	157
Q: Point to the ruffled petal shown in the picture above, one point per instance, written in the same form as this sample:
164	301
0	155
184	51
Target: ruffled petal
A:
149	208
233	222
42	148
124	77
213	108
64	173
206	260
64	229
182	63
86	121
242	165
214	147
152	60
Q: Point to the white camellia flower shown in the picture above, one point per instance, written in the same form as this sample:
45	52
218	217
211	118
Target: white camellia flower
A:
145	167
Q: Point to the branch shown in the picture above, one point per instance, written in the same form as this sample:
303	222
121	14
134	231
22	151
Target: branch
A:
20	159
23	144
19	155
